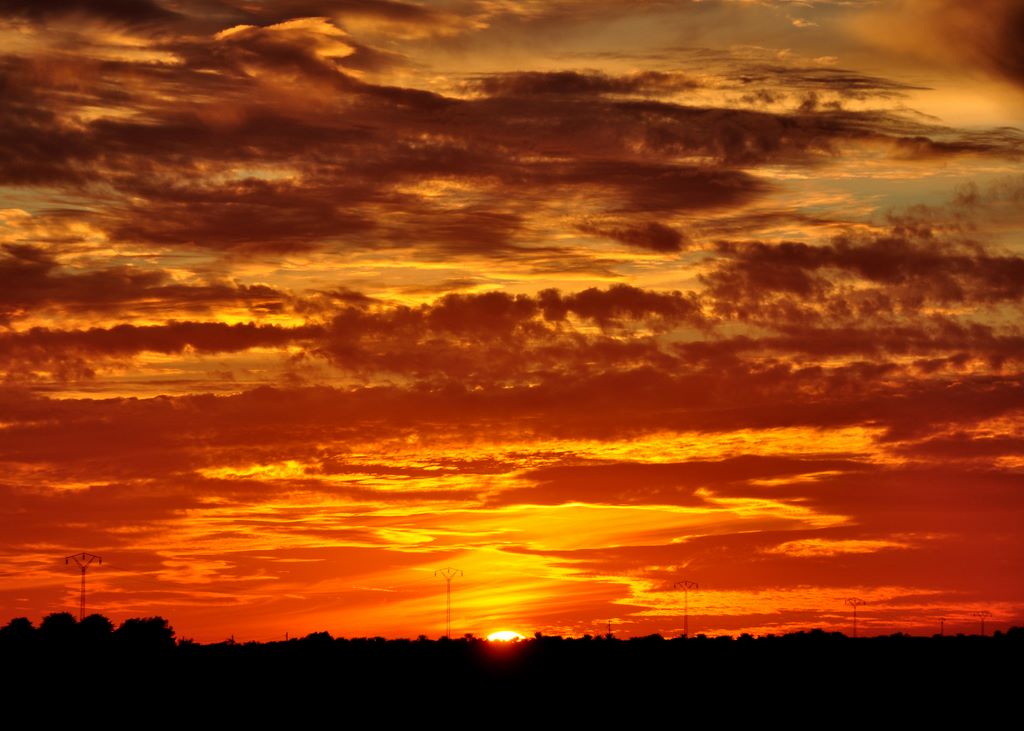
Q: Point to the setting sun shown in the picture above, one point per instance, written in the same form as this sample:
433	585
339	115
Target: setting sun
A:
505	635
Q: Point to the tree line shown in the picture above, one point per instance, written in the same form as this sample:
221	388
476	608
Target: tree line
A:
61	629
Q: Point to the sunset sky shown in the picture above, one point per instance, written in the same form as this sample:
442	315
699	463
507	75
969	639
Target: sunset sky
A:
301	300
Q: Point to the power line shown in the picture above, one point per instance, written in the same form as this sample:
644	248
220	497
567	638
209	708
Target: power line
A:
982	615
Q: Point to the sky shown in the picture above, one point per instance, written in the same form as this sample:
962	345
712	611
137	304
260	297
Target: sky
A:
304	300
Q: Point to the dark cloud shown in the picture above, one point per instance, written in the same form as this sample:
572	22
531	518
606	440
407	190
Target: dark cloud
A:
373	60
1001	40
270	425
490	336
173	337
122	11
674	483
251	216
622	302
569	83
498	314
651	235
917	498
279	11
90	516
245	162
905	269
497	337
30	278
963	445
933	336
846	83
988	33
770	559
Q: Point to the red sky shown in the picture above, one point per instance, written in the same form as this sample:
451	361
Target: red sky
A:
301	300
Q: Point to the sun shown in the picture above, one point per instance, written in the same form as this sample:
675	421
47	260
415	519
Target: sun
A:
505	635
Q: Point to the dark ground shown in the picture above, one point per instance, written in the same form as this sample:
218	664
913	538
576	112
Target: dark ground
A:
142	667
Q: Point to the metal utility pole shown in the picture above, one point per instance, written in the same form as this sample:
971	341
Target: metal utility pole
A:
942	626
854	602
448	574
982	615
83	561
686	586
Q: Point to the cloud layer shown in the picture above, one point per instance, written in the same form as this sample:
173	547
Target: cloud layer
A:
301	300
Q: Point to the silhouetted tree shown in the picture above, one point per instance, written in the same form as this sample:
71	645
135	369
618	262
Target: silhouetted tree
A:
19	629
58	628
95	628
149	633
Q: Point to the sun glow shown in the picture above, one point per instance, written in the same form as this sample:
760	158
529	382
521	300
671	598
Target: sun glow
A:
505	635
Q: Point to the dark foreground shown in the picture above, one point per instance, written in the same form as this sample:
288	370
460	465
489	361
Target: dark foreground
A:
814	670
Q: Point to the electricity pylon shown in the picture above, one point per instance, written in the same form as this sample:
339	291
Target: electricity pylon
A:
83	561
686	585
854	602
448	574
982	615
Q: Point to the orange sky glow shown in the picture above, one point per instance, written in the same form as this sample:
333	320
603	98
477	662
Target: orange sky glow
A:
302	300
